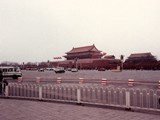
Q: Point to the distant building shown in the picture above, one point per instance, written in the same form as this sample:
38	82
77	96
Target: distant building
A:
87	52
141	61
87	57
141	57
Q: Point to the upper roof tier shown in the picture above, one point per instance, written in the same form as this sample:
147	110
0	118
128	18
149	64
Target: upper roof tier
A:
137	55
91	48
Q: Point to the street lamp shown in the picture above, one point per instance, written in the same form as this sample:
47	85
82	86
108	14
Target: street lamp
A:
122	58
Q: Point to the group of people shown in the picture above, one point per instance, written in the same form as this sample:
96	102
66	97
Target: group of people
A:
3	83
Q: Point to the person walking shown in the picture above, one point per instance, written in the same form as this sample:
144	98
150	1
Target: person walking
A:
3	83
1	80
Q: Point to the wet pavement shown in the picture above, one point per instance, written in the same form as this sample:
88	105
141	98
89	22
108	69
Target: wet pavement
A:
13	109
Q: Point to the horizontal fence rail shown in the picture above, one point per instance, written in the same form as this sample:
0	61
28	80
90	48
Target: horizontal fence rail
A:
129	82
83	91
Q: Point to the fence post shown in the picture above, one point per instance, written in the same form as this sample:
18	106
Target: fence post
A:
81	80
130	82
79	96
38	80
128	107
104	81
59	80
40	92
6	91
20	79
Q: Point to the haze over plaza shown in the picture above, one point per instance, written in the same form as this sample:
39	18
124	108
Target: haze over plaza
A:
38	30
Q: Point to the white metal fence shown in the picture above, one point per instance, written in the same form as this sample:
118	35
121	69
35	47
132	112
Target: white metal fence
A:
100	94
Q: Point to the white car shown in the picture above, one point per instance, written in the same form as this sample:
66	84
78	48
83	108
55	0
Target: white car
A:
41	70
74	70
59	70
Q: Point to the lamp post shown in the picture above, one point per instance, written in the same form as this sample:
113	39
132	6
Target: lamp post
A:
75	62
121	57
48	63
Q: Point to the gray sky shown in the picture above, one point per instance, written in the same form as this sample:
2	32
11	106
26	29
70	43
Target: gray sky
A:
38	30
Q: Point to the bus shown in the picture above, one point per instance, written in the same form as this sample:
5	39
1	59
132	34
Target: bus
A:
10	71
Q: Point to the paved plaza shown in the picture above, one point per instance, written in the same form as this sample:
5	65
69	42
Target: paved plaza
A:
11	109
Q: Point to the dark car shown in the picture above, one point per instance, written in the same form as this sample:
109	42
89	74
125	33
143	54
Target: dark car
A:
59	70
101	69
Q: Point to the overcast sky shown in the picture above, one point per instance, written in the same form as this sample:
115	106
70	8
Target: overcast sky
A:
38	30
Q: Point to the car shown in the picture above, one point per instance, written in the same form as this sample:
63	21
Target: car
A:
101	69
59	70
50	69
68	69
74	70
41	70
